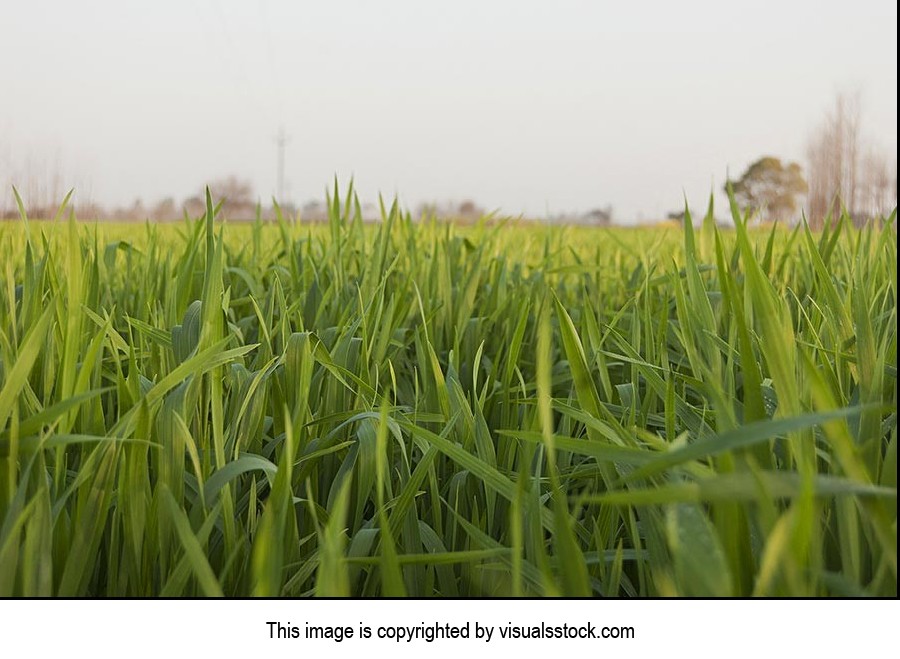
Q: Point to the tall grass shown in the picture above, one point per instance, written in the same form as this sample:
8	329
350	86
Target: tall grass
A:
419	409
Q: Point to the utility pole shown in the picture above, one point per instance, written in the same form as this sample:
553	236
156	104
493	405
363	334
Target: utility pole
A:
281	140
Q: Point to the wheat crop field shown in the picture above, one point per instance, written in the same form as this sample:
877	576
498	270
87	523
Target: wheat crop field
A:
415	408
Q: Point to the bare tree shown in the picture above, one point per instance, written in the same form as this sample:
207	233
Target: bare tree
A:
877	194
40	184
233	189
834	155
847	170
165	210
236	193
90	210
136	212
314	211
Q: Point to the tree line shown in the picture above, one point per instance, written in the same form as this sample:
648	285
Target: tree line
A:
846	173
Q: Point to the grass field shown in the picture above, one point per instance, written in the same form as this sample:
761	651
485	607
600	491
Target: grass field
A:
421	409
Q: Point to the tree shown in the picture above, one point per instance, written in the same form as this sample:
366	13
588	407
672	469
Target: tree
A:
237	195
165	210
314	211
833	153
601	217
877	194
847	170
232	189
770	188
135	212
469	209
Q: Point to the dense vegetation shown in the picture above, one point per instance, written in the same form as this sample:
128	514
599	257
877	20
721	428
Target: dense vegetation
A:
422	409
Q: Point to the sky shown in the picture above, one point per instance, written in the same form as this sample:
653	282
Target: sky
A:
527	107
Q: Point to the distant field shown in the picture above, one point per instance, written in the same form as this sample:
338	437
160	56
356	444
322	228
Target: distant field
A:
428	410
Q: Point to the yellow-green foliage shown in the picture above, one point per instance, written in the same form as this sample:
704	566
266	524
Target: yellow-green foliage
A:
421	409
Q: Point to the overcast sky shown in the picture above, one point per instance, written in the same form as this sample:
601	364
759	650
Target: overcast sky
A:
526	106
